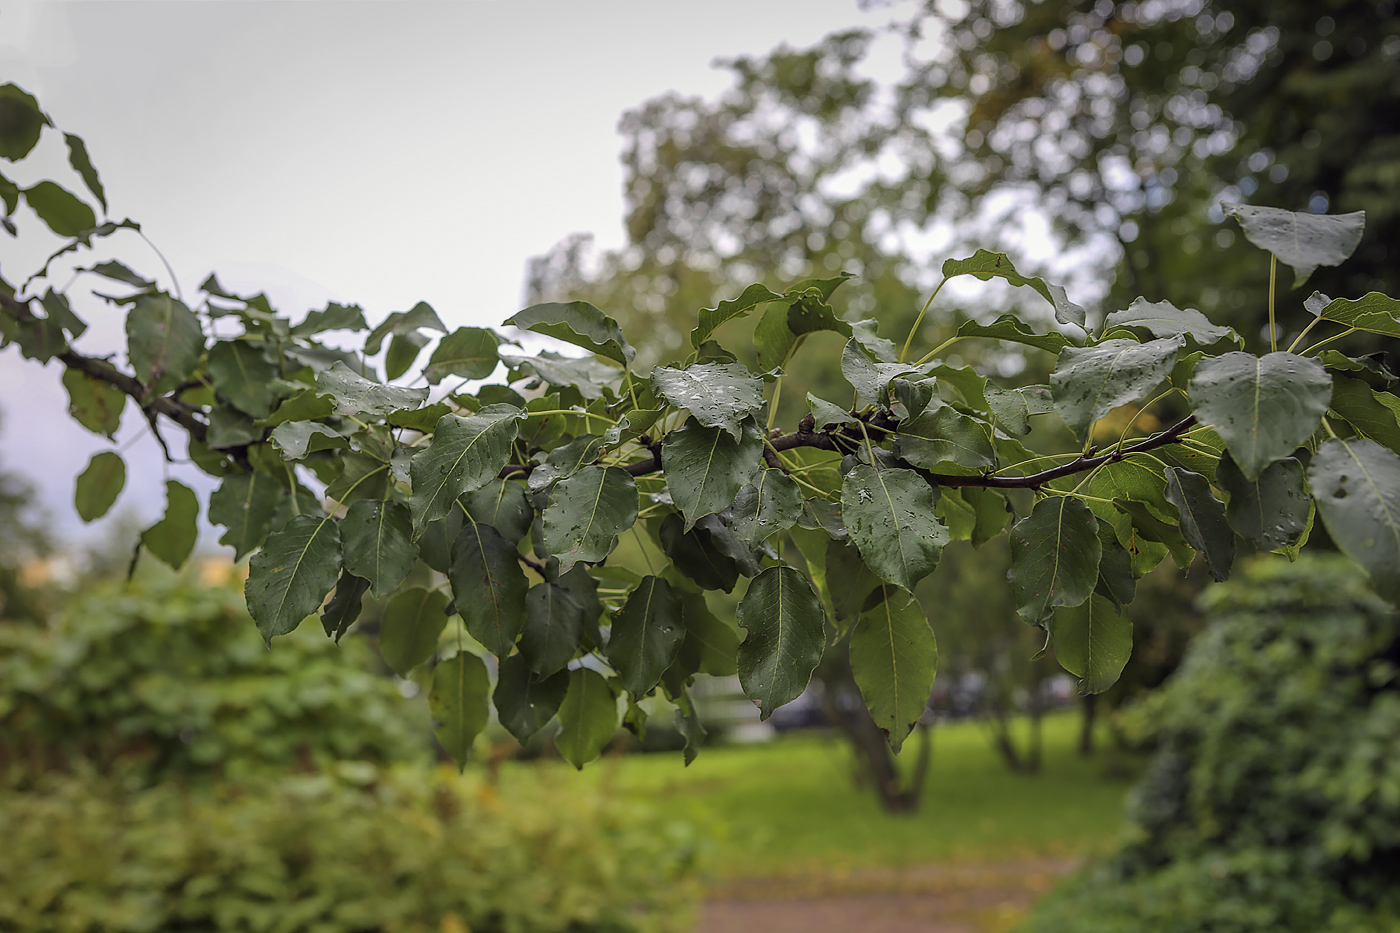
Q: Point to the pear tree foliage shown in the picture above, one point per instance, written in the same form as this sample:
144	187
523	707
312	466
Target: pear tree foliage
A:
487	515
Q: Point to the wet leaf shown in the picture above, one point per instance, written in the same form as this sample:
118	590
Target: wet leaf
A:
893	658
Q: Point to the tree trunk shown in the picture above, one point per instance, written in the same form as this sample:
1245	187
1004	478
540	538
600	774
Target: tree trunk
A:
1090	706
877	764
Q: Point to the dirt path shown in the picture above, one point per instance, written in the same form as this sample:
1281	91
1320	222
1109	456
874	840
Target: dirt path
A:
928	899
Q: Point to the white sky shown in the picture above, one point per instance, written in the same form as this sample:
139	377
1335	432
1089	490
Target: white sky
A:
380	153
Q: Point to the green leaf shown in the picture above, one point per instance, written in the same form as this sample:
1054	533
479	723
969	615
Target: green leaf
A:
769	504
1271	511
296	439
586	512
1116	579
1093	641
419	316
587	718
589	374
459	702
410	627
986	265
466	454
1301	240
291	575
868	377
164	341
943	434
9	196
525	703
1140	478
94	403
773	338
1357	488
488	587
717	395
229	427
786	637
554	626
344	606
353	394
1054	557
706	467
60	209
695	555
502	505
563	462
578	323
82	164
893	659
58	310
825	413
851	581
242	375
688	725
712	318
710	646
1203	522
1263	407
244	504
1089	382
362	476
889	514
306	405
119	272
172	538
876	347
376	538
403	350
469	352
1010	328
1374	312
1164	319
99	485
1373	414
333	317
646	634
21	122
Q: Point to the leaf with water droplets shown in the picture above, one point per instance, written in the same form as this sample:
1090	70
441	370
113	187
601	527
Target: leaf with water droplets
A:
717	395
1357	487
893	658
1089	382
1300	239
466	454
786	637
1203	521
890	517
1271	511
587	512
1054	557
526	703
646	634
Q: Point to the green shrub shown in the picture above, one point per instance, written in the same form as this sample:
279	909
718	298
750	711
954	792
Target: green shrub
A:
351	849
1272	801
173	674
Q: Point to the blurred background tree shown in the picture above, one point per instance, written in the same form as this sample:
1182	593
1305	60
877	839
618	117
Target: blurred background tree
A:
24	540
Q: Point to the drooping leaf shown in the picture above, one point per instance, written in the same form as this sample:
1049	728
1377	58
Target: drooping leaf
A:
1301	240
344	606
94	403
466	454
1373	414
710	646
1203	522
893	658
784	619
242	374
1140	478
646	634
21	122
172	538
306	405
469	352
1054	557
717	395
890	517
524	702
986	265
769	504
587	718
296	439
1375	312
376	536
403	350
488	587
697	554
1093	641
1116	578
688	724
120	272
410	627
578	323
589	374
352	394
1164	319
82	164
1012	329
244	504
1089	382
712	318
59	311
1263	407
291	575
459	702
1357	487
1271	511
851	581
164	341
99	485
362	476
706	467
229	427
60	210
419	317
333	317
503	505
943	434
554	626
586	512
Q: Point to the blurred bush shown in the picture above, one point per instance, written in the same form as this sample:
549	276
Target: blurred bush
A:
170	676
1272	801
350	849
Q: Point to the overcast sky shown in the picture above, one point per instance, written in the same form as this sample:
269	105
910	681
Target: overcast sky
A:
380	153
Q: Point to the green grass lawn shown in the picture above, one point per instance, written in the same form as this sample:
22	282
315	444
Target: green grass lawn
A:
790	807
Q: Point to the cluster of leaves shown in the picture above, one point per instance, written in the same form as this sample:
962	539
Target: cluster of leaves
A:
1273	799
830	524
352	849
